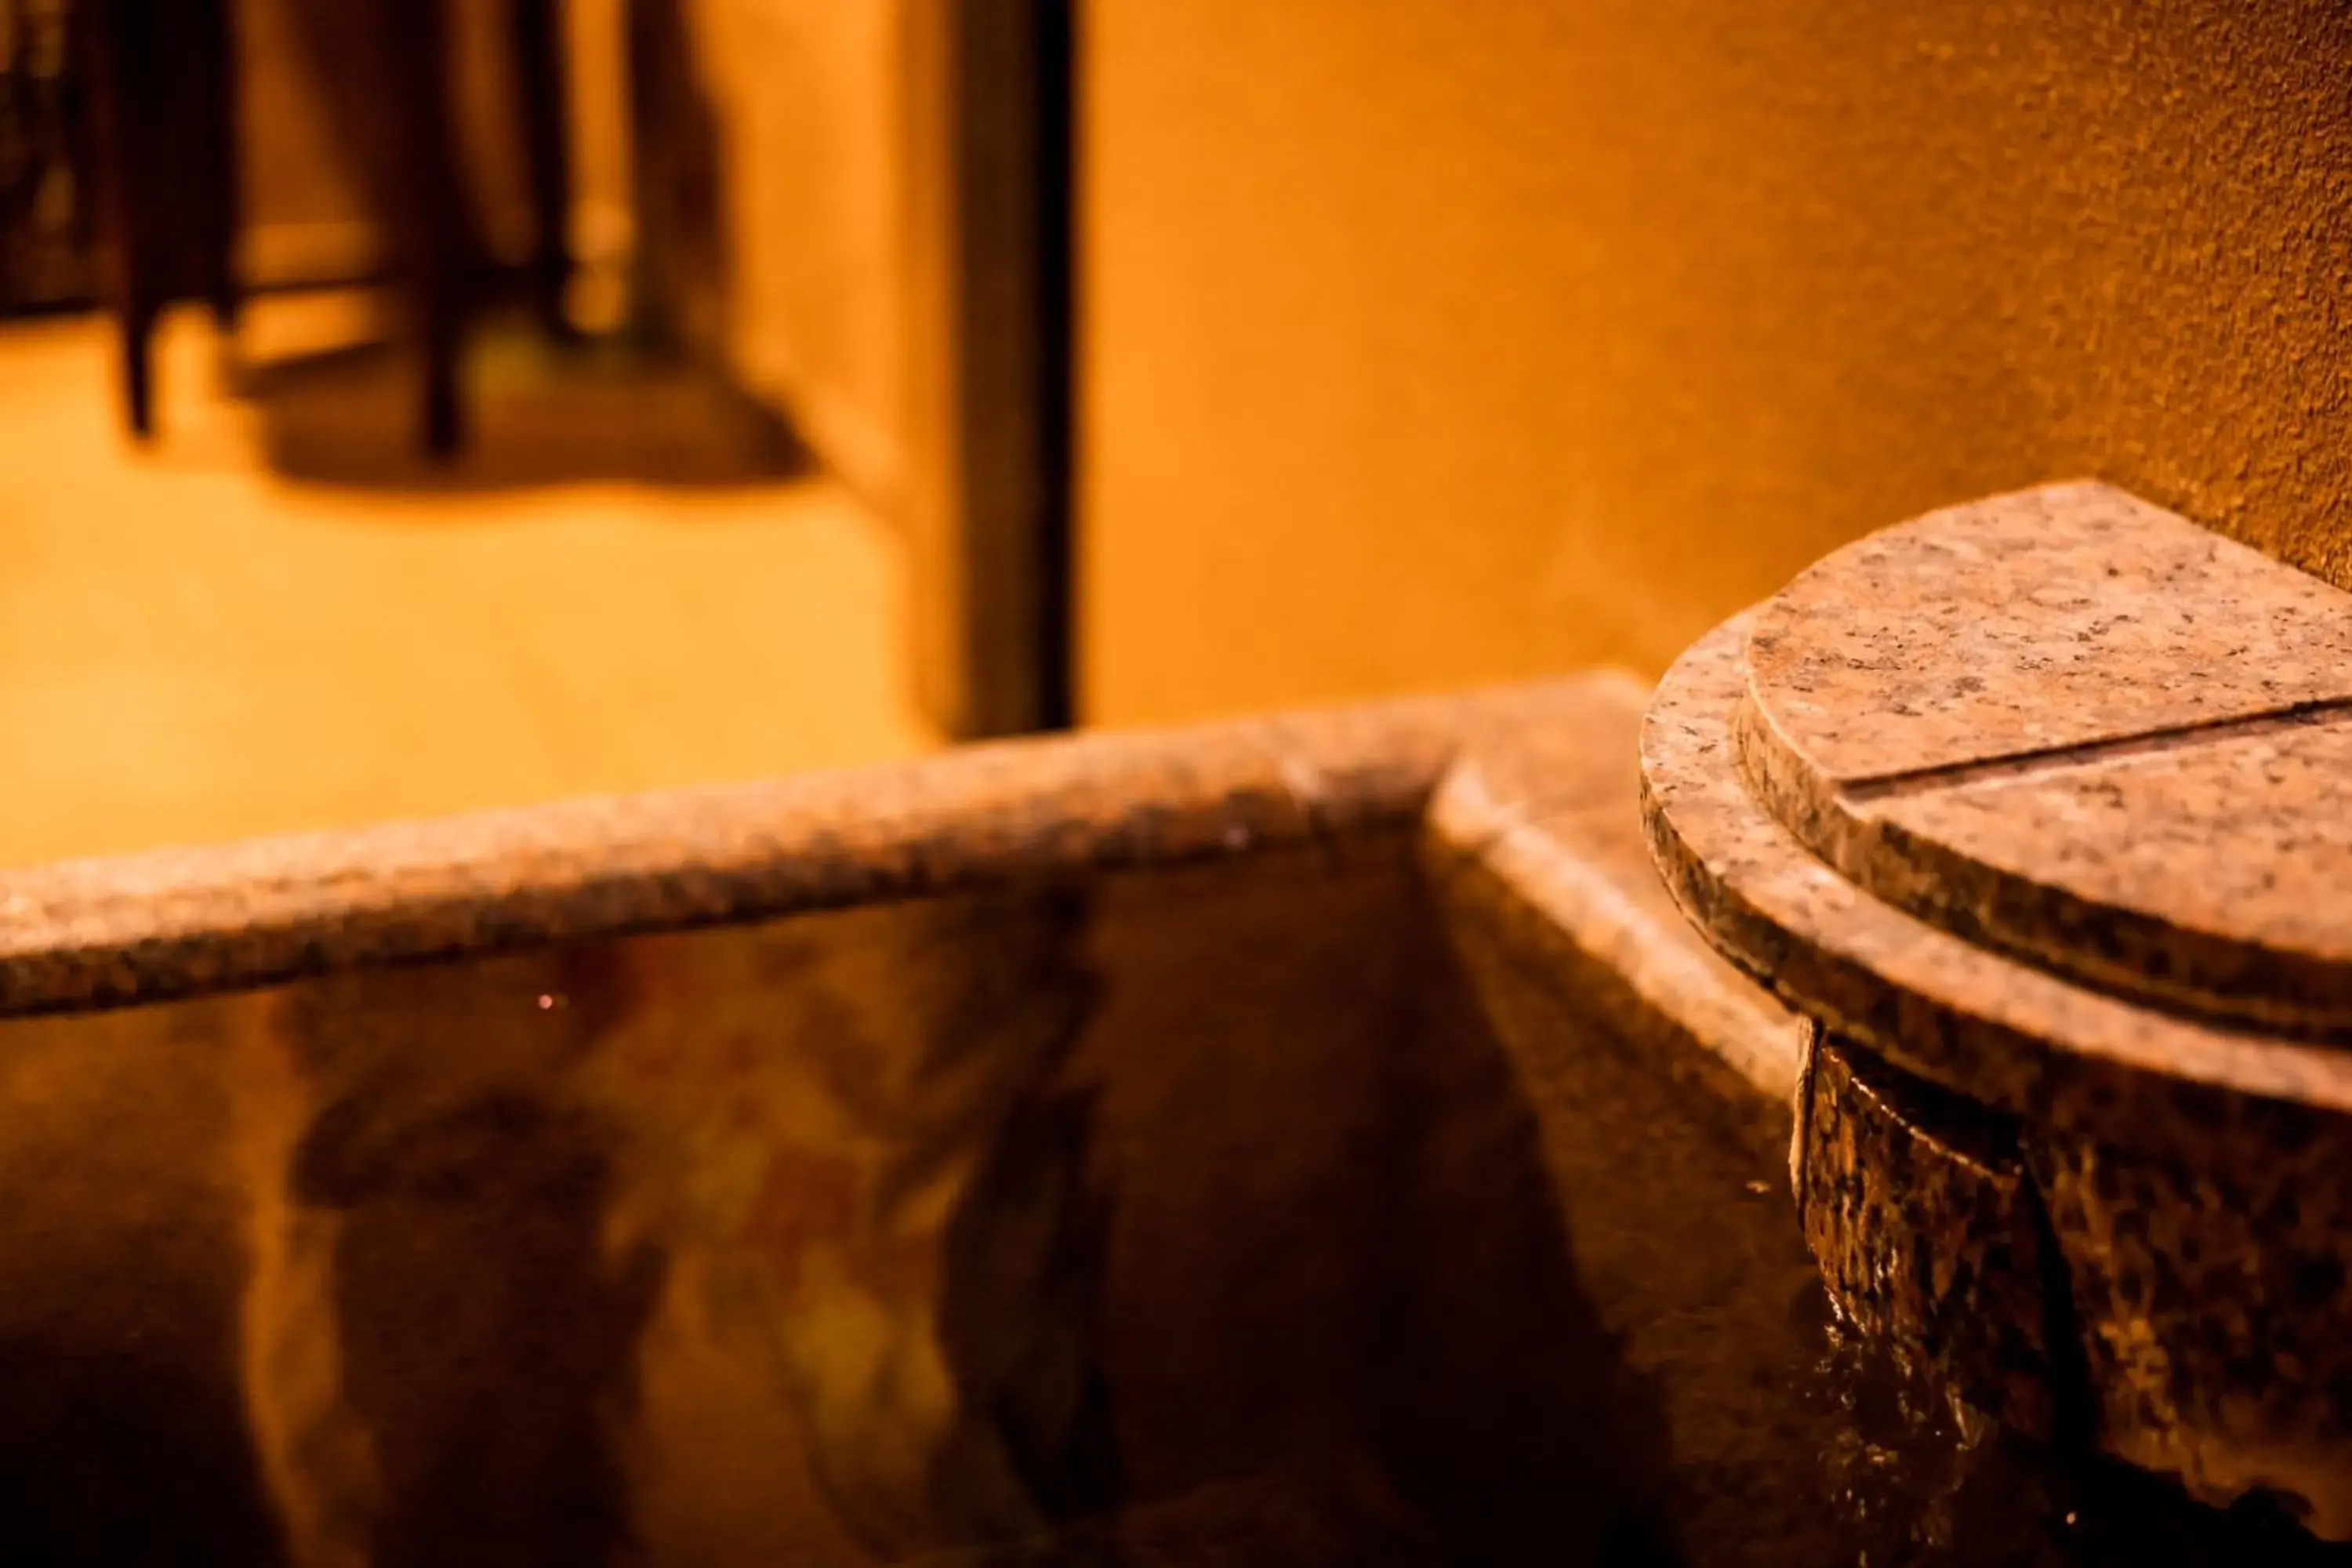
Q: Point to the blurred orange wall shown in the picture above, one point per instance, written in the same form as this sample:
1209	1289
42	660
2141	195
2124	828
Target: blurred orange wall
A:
811	97
1428	342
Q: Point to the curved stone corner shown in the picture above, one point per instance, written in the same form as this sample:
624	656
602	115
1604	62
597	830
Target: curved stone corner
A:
2036	809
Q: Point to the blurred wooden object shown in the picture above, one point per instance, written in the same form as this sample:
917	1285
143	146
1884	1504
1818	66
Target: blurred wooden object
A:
164	105
387	68
542	101
45	219
162	130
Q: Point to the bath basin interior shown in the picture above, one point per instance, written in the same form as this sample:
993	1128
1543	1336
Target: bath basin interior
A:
1285	1205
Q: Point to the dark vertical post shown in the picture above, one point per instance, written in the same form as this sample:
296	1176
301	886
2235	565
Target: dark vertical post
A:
536	31
430	212
994	576
104	48
1056	361
223	182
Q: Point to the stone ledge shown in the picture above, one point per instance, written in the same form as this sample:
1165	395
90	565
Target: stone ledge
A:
155	926
1536	848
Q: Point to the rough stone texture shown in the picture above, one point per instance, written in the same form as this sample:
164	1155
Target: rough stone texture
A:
153	926
2074	726
1918	1208
1795	1440
1660	1080
1535	839
2209	873
2183	1177
2056	616
1668	1169
2214	1313
1975	1021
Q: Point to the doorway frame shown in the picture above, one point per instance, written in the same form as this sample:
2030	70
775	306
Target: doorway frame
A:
991	527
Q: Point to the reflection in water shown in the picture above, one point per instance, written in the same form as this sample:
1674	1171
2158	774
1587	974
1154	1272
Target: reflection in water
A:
839	1133
122	1432
1202	1215
880	1188
441	1333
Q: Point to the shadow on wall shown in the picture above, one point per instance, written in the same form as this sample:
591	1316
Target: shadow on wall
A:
651	404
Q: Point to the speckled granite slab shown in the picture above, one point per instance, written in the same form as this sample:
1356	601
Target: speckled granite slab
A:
1926	1225
2037	807
2065	616
2210	873
2082	729
156	926
1980	1023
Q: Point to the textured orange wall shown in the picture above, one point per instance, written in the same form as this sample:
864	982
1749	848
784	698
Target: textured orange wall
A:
1430	342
